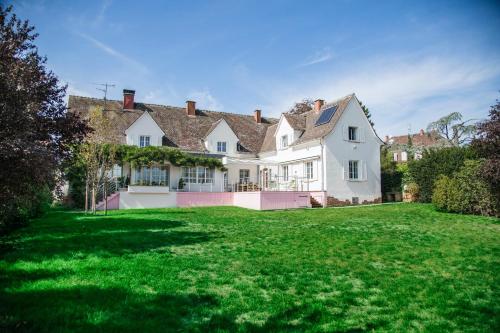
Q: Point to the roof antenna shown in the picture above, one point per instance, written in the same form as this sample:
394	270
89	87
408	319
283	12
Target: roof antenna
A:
104	90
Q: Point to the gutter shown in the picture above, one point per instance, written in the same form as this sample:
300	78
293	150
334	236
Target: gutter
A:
322	166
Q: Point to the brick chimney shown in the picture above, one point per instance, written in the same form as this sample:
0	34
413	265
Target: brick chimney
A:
386	138
257	116
128	99
422	132
191	108
318	104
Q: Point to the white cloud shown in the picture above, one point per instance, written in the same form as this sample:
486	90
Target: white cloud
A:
318	57
166	95
205	100
114	53
399	93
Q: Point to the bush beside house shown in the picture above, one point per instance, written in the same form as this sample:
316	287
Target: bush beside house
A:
436	162
465	192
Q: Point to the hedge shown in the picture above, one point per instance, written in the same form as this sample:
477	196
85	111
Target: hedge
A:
465	191
436	162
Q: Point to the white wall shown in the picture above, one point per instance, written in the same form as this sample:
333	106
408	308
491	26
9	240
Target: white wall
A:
145	125
338	150
222	132
295	157
233	172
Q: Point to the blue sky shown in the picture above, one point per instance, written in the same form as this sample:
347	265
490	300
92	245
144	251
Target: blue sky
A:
409	62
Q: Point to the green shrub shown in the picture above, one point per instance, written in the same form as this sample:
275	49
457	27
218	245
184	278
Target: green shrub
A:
440	193
413	190
465	192
435	162
16	212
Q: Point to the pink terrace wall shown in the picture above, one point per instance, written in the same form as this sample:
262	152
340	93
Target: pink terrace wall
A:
320	197
284	200
197	199
113	202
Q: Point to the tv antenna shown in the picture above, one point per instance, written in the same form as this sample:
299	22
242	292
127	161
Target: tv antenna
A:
104	90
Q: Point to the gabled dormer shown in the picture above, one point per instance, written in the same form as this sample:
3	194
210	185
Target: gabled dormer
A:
221	139
290	128
144	132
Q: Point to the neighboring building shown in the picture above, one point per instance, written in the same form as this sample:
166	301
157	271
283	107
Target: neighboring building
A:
330	154
403	150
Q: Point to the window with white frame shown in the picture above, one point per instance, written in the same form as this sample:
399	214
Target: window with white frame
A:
308	166
221	146
244	176
353	170
152	176
395	157
404	156
284	141
353	133
284	170
144	141
198	175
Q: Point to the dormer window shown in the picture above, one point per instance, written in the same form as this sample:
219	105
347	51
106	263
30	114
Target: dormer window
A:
221	146
284	141
144	141
353	133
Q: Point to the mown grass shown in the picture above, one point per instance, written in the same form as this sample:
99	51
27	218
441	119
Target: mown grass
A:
383	268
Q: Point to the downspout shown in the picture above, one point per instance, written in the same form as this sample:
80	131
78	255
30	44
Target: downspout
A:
322	166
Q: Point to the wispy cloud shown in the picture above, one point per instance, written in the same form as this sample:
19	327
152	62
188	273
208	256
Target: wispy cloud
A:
102	12
205	100
318	57
402	92
114	53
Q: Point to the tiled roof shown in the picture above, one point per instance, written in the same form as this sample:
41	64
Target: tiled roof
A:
306	123
181	131
269	143
313	132
188	133
418	139
297	121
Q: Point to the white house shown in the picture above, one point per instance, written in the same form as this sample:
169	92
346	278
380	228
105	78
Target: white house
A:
327	156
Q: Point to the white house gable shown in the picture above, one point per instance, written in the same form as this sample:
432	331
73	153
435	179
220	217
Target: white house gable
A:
285	135
144	132
221	139
352	159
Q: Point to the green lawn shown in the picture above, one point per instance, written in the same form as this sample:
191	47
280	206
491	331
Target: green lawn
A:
382	268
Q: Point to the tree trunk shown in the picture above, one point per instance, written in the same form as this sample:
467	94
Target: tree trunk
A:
86	196
93	199
105	194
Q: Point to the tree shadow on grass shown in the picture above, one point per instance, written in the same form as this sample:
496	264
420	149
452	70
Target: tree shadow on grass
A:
91	309
102	237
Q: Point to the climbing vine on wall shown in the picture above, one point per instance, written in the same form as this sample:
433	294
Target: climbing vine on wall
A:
147	156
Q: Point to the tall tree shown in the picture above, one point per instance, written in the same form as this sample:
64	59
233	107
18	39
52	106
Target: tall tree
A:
487	145
303	106
367	113
452	129
36	129
98	156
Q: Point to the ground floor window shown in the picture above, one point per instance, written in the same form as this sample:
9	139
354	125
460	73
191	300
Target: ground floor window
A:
285	172
244	176
353	169
309	170
198	175
152	176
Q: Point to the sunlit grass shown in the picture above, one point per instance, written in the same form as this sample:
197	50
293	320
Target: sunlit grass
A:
384	268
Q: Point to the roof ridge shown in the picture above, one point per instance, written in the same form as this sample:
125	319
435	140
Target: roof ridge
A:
175	107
